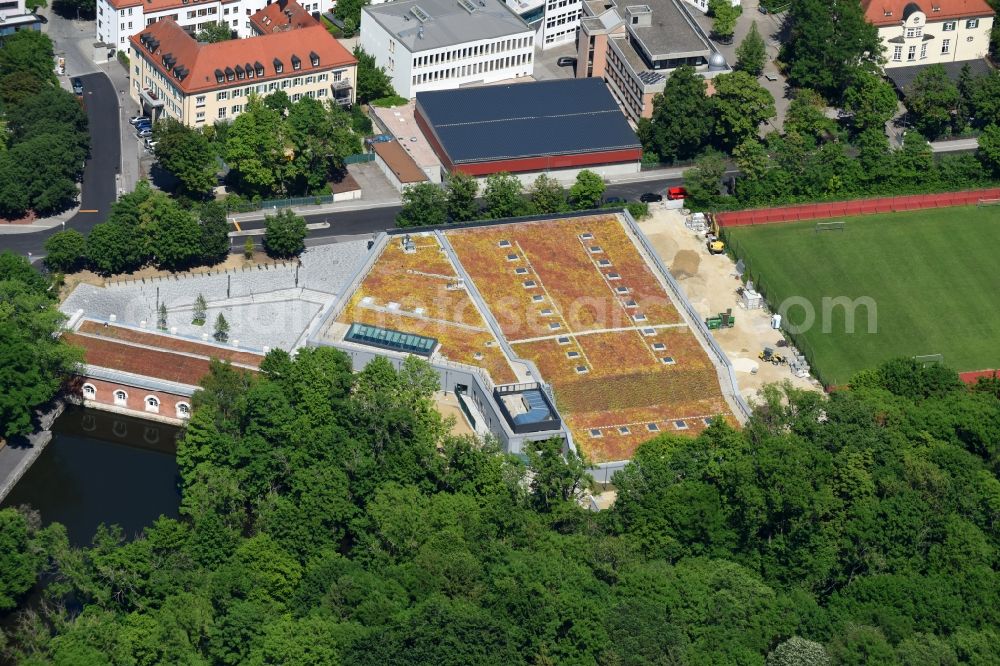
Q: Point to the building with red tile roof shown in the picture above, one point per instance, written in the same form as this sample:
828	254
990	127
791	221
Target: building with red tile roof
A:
117	20
926	32
281	16
196	83
144	373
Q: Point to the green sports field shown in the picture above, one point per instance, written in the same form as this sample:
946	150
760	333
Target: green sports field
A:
933	276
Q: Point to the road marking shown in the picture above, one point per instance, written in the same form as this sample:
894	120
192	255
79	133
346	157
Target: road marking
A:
89	210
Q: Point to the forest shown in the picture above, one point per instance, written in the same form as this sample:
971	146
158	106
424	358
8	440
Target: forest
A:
329	517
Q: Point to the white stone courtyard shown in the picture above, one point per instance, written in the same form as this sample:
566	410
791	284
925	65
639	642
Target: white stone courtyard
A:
266	306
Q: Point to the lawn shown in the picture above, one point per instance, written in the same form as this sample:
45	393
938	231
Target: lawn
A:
931	274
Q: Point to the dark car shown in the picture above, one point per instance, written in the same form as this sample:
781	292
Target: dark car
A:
77	86
566	61
651	197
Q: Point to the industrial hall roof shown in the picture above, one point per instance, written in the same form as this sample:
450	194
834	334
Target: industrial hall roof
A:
518	120
421	25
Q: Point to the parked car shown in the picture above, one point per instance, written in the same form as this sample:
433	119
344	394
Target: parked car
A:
151	145
143	124
675	193
566	61
651	197
614	200
144	132
77	86
134	120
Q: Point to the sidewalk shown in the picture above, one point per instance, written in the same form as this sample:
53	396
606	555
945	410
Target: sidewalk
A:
15	459
39	225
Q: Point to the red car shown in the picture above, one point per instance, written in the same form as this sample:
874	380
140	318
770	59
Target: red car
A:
676	193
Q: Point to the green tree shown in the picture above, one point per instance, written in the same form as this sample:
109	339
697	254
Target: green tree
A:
462	189
724	17
33	361
682	117
349	11
704	180
740	105
175	237
284	234
752	159
557	476
798	652
547	195
221	333
255	151
115	248
20	560
587	192
870	99
199	310
215	32
983	95
751	54
321	137
989	149
829	41
504	196
248	248
373	83
161	317
215	242
807	116
424	204
932	98
66	251
29	51
187	154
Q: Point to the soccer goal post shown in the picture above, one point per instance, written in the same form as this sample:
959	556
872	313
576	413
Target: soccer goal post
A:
930	359
988	202
830	226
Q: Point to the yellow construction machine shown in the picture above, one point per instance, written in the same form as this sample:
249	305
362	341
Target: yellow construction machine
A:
714	242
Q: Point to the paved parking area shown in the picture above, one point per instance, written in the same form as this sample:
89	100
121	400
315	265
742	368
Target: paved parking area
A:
545	62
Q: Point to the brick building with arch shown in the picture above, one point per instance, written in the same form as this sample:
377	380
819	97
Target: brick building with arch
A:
140	373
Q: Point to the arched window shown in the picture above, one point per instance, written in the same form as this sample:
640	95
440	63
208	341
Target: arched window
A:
89	392
121	397
152	404
183	410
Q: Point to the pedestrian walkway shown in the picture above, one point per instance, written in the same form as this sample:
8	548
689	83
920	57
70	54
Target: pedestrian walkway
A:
16	458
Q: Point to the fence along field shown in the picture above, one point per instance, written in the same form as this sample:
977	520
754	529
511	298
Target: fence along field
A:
930	273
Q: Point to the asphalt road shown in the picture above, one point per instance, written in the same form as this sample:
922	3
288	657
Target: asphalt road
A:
98	191
367	222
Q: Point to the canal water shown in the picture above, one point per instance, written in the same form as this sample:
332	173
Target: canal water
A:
102	468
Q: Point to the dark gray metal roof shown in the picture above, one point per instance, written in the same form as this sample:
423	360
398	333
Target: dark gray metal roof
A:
902	77
564	117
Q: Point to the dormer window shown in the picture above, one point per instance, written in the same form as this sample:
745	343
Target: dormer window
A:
230	74
278	66
296	62
259	68
887	12
249	70
314	58
240	74
219	76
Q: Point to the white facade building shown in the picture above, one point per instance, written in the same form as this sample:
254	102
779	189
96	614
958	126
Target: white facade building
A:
928	32
444	44
117	20
555	21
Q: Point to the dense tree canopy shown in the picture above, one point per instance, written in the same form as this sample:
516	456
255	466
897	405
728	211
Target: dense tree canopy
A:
147	226
187	154
46	143
33	363
828	42
328	518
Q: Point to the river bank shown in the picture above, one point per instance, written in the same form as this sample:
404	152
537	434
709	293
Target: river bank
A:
17	457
